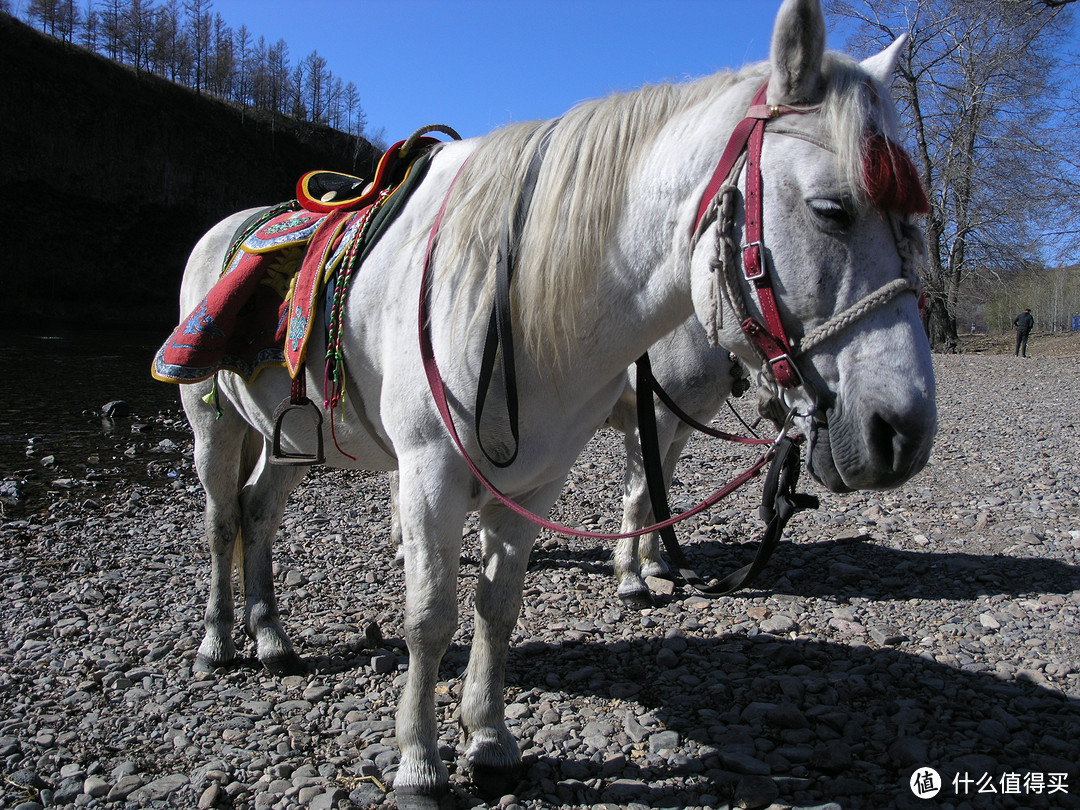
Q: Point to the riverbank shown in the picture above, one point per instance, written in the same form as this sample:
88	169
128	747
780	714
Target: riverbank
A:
937	626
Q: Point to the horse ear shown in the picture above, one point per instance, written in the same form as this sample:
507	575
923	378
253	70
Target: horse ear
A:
798	46
882	66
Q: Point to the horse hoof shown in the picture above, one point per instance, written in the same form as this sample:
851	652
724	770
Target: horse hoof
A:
289	664
409	800
492	782
638	600
206	665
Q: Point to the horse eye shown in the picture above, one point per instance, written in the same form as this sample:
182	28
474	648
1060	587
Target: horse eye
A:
831	213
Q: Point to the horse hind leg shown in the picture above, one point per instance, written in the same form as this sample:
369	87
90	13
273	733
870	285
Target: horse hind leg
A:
262	504
239	533
637	511
652	562
218	460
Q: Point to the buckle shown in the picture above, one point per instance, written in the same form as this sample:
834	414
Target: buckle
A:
788	374
753	266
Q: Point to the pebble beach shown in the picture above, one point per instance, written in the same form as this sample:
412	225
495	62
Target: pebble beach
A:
926	637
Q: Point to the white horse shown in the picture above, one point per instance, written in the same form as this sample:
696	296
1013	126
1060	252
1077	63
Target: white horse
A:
608	265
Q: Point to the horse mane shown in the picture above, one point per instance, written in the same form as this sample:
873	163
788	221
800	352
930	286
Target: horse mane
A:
581	189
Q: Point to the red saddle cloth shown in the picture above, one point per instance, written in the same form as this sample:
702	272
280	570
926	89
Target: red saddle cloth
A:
260	312
262	309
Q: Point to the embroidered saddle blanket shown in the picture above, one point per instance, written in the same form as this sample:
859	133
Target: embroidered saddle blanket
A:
262	310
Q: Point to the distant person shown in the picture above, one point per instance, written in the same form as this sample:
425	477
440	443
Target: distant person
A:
1024	323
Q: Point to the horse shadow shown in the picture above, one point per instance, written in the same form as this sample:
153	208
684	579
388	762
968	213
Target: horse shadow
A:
826	721
856	566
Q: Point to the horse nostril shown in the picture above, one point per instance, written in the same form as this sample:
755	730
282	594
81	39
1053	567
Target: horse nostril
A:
885	442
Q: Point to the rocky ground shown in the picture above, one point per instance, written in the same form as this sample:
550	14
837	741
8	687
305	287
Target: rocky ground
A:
936	626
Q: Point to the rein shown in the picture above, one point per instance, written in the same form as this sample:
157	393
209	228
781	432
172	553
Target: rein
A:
779	499
441	398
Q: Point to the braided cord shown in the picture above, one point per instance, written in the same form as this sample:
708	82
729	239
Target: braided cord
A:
334	382
838	323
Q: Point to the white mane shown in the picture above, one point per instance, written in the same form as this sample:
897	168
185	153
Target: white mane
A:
581	189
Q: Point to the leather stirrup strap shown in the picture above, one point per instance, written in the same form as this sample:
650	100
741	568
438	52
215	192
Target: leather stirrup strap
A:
500	333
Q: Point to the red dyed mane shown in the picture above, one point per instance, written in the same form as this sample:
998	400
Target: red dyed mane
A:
891	179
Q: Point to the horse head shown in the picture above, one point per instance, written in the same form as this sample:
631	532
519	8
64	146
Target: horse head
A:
837	245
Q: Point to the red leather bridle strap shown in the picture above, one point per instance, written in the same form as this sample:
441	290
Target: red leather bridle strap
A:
770	336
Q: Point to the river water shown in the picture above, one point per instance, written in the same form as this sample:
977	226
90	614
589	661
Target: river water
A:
54	442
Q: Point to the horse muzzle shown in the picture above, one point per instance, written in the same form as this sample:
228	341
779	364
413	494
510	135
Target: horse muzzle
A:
872	451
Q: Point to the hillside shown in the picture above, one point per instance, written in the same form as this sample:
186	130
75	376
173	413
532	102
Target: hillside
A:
109	177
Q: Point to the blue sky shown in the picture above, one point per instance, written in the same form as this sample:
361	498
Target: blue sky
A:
479	64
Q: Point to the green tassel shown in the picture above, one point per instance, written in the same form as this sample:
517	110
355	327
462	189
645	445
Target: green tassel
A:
214	398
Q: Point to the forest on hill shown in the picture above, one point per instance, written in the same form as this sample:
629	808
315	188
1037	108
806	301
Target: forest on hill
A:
110	175
186	42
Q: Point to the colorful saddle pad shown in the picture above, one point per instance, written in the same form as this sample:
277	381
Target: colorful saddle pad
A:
263	309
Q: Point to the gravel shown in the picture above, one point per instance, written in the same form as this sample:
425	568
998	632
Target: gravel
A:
934	626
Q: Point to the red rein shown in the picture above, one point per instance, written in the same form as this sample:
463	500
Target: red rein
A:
891	179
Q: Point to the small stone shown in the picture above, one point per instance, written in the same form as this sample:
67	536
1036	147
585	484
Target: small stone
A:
384	663
315	693
988	621
660	586
366	794
753	792
777	625
117	409
743	763
211	797
667	658
69	790
294	578
160	788
95	787
908	751
832	757
786	715
124	787
663	740
328	800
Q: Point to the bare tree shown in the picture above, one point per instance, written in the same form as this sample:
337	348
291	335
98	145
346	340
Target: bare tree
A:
90	30
316	87
242	56
979	83
199	24
136	32
356	120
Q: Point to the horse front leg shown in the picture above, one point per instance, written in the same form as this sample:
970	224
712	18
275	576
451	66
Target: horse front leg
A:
507	538
262	504
637	512
432	503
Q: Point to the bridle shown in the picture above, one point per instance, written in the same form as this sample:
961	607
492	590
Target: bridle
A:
768	335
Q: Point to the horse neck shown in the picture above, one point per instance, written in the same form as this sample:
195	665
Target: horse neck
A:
646	287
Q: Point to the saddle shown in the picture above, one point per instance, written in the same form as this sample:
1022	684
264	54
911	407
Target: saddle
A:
282	264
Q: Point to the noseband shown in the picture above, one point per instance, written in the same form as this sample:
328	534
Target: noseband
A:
768	333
